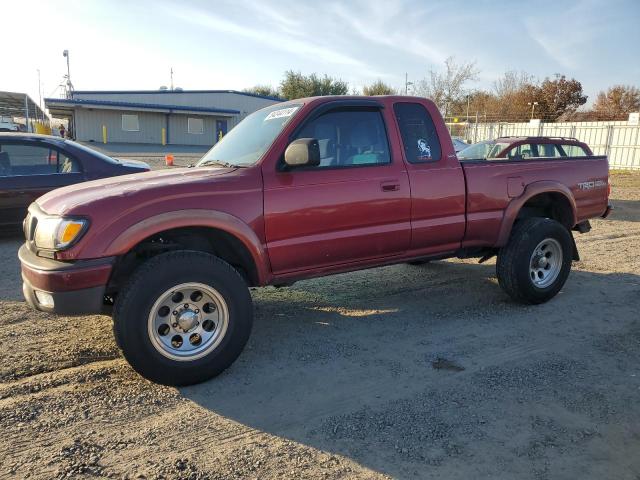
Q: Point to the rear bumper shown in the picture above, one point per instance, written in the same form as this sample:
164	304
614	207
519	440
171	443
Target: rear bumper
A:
67	288
608	211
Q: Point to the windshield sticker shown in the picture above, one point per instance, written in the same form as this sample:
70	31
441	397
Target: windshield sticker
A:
284	112
424	150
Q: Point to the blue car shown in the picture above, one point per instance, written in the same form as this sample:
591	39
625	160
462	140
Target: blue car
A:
32	165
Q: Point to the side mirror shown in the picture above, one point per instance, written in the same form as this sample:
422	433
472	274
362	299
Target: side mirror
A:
302	152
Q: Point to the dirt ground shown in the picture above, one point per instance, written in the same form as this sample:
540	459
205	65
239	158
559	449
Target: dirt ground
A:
403	371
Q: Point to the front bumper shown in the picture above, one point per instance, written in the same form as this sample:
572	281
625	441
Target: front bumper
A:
70	288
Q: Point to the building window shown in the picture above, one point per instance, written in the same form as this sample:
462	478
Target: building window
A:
130	123
195	125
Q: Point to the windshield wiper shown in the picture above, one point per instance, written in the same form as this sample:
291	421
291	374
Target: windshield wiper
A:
206	163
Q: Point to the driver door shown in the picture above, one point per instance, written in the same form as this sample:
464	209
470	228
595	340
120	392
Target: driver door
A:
352	207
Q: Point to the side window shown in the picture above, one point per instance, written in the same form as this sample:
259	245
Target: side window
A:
549	150
521	152
419	137
18	160
574	151
66	164
349	137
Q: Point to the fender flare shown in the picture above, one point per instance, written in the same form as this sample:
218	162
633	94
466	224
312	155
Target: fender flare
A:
530	191
194	218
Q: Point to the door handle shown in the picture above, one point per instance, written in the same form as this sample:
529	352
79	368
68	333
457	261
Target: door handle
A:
389	186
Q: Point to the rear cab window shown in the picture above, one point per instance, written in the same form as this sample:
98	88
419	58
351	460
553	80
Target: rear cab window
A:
419	137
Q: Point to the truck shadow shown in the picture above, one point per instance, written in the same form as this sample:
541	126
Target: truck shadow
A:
625	210
385	366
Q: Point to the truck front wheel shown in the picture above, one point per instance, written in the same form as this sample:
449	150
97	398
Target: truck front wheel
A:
183	317
534	265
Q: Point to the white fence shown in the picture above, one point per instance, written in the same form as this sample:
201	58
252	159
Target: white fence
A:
618	140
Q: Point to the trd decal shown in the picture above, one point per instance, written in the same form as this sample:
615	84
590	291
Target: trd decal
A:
592	185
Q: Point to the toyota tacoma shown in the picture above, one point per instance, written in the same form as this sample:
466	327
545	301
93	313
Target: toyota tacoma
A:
301	189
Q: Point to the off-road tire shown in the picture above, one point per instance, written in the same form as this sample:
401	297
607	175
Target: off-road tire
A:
514	260
146	285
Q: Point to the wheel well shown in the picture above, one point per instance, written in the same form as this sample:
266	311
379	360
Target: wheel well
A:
548	205
204	239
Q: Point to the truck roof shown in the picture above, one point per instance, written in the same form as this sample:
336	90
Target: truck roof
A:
329	98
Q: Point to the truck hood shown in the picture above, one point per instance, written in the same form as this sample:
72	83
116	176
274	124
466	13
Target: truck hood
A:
128	190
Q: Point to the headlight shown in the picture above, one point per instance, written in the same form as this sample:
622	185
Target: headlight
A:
57	233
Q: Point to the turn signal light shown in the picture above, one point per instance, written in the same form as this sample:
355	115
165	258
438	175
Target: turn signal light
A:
70	232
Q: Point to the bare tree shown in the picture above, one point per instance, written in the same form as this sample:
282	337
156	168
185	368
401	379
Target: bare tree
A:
448	86
512	82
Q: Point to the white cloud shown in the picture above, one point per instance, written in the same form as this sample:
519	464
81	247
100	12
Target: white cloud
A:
389	24
278	40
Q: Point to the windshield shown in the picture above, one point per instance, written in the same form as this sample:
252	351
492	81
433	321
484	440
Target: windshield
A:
245	144
497	148
476	151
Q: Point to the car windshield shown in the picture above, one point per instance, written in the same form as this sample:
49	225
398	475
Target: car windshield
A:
245	144
496	149
476	151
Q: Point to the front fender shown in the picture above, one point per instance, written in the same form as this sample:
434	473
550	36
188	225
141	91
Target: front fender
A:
531	190
137	232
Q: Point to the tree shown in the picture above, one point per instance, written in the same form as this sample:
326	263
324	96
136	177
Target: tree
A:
559	97
617	102
378	88
448	87
512	82
264	90
296	85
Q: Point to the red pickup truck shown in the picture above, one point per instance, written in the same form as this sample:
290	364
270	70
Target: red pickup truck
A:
300	189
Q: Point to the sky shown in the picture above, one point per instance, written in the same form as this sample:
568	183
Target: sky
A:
119	45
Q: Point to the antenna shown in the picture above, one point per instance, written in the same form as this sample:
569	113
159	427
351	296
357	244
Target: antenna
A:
171	78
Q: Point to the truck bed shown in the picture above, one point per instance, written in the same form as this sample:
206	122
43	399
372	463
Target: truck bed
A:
493	184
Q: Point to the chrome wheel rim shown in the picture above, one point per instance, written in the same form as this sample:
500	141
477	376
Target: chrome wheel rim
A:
188	321
545	263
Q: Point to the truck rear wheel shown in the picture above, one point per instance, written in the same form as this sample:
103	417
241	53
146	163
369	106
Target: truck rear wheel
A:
534	265
183	317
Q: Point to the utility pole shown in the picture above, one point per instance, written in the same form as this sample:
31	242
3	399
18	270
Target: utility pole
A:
65	54
406	83
468	99
40	96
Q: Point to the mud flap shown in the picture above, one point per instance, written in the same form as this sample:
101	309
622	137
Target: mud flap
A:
576	255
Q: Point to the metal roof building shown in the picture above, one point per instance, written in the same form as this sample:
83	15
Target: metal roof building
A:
20	105
173	117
